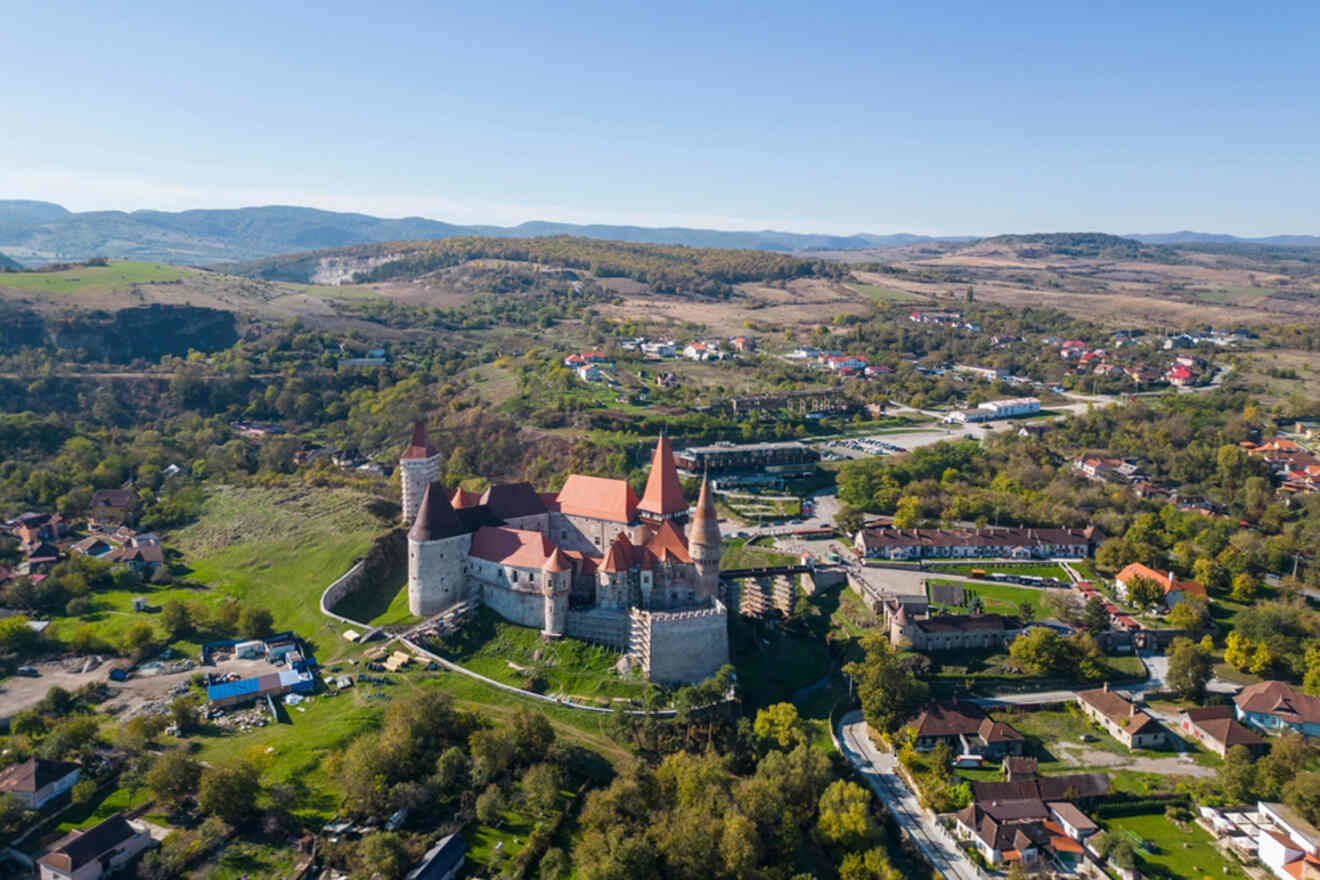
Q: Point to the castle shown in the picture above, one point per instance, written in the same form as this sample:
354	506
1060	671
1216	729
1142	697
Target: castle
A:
590	561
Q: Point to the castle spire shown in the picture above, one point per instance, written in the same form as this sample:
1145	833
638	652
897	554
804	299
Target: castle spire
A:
419	446
704	543
663	498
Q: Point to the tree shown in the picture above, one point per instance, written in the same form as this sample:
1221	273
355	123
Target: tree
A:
382	854
1144	591
1244	588
173	776
1311	681
907	515
886	685
554	864
256	623
1237	651
1095	618
1261	659
1039	651
532	736
139	637
540	787
1302	793
845	815
870	865
176	618
490	804
781	724
13	816
492	752
849	520
1238	775
1191	614
230	792
1190	668
451	770
1026	611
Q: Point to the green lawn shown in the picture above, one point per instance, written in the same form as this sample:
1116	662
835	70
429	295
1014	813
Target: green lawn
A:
379	608
487	645
737	554
93	279
1043	569
999	598
1187	853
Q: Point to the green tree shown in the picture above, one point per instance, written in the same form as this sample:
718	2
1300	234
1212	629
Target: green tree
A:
845	815
382	855
1190	668
540	787
230	792
1238	775
1039	651
176	618
173	776
1237	651
1095	618
781	724
1143	591
849	520
1191	614
888	688
1244	588
256	623
491	804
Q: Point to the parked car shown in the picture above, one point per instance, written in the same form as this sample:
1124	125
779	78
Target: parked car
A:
28	671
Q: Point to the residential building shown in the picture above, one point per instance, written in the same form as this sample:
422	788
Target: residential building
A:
36	781
1286	843
94	853
1122	719
588	373
1175	590
1217	729
33	528
1274	706
1027	830
442	861
885	542
966	729
846	362
114	505
661	348
743	343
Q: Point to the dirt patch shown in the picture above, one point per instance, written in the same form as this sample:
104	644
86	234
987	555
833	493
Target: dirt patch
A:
1084	756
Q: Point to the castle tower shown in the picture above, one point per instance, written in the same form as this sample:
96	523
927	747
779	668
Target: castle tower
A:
663	498
704	543
437	546
557	573
418	467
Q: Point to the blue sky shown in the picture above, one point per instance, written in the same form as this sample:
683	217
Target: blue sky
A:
927	117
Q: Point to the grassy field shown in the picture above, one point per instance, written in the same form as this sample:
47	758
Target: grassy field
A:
92	279
738	554
1170	851
514	654
379	608
1044	569
278	548
999	598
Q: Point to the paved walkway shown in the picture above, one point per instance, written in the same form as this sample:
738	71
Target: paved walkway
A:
879	769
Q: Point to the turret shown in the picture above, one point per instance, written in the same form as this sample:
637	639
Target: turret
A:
557	576
437	544
418	467
663	498
704	543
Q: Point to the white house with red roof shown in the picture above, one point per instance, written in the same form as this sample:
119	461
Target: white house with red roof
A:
1175	590
590	561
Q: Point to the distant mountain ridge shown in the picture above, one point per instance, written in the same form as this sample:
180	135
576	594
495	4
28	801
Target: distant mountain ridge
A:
34	233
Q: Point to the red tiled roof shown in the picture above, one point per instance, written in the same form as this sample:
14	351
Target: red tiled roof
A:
1229	732
1277	698
556	561
668	539
515	547
664	494
1170	583
464	498
419	446
1117	709
598	498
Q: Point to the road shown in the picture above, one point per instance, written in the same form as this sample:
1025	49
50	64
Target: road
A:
878	768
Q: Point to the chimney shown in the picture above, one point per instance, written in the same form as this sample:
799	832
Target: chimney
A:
1106	686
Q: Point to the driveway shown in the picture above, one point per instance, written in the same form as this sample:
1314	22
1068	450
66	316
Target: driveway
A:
878	768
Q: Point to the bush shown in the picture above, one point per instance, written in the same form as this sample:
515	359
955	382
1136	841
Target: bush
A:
78	606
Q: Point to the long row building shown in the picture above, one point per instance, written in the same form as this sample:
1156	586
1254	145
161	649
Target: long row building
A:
886	542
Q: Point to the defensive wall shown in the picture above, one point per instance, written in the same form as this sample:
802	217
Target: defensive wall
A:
681	646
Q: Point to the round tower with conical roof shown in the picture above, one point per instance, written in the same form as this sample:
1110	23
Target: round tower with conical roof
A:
418	467
557	577
704	543
437	545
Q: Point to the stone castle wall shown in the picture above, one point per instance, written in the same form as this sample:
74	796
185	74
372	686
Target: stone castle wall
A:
681	646
599	625
523	607
435	574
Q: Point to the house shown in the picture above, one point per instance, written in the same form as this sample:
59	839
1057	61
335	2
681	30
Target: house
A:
845	362
94	546
97	852
1180	376
141	553
33	528
743	343
588	373
37	781
1175	590
1273	706
1217	729
661	348
697	351
1286	843
886	542
442	861
1121	719
666	380
966	729
114	505
878	370
1025	830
